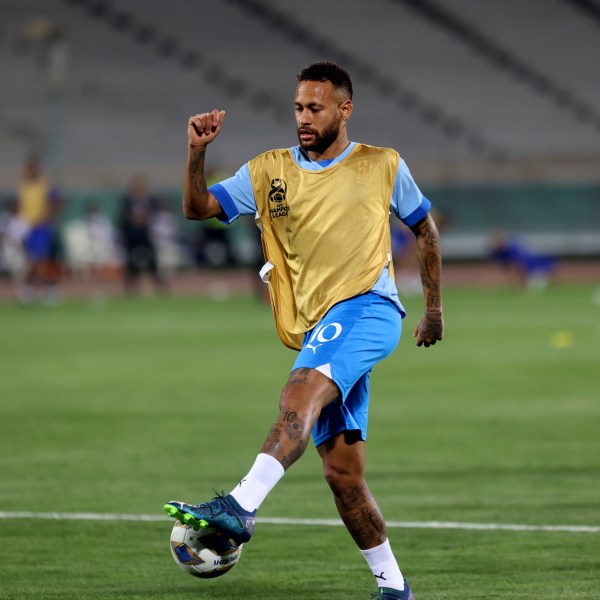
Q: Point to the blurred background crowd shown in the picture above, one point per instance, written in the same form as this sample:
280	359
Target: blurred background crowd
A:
47	239
494	105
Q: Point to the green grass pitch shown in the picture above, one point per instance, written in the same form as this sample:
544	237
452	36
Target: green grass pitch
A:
117	408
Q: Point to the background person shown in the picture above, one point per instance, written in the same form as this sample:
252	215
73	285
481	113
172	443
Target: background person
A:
92	249
137	212
38	207
523	266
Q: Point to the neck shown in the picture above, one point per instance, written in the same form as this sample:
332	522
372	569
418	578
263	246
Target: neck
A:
333	151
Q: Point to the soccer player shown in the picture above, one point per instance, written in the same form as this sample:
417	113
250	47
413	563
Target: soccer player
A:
323	207
38	207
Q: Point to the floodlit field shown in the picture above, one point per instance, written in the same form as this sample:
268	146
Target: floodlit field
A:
114	409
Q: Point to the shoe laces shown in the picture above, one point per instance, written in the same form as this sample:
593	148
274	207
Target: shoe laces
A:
222	505
210	505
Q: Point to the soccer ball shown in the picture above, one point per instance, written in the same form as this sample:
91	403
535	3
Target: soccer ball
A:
202	554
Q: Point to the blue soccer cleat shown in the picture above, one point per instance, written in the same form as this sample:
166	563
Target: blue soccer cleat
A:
391	594
222	515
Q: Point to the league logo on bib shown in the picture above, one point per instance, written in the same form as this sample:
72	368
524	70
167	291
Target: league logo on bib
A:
277	196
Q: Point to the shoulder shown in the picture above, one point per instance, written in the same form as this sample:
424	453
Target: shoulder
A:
384	158
270	155
378	152
376	149
263	165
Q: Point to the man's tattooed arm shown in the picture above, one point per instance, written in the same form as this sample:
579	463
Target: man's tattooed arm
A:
431	326
198	202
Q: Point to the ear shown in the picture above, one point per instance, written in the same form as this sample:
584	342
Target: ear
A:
346	109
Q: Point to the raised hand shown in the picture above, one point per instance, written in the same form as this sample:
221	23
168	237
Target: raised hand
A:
204	128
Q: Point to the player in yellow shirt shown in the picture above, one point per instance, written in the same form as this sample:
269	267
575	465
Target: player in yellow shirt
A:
37	206
324	211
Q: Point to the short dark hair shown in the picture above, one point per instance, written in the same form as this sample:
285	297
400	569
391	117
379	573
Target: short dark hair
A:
328	71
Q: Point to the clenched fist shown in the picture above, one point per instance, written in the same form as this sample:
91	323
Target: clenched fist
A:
204	128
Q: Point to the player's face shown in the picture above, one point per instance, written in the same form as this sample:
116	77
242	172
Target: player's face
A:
318	115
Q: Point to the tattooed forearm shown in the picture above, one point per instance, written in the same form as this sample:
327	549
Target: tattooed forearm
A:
430	263
197	201
194	184
196	158
196	170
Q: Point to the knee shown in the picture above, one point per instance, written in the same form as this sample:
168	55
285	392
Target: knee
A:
294	404
290	398
306	392
343	480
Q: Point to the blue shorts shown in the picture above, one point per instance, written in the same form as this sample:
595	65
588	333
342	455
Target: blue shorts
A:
345	346
39	243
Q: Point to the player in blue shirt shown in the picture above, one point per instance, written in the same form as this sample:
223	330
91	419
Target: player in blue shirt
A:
327	393
236	197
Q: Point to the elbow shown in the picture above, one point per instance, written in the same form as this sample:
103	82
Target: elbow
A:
190	213
200	208
194	211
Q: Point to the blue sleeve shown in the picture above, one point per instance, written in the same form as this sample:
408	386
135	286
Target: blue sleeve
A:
235	195
408	203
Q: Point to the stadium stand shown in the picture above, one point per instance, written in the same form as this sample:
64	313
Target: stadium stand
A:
473	94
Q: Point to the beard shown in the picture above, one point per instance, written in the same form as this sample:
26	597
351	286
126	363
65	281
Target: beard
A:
321	140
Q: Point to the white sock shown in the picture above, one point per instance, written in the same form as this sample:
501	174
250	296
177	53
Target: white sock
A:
261	479
384	566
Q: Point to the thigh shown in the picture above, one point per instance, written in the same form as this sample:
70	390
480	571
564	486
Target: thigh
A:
351	339
350	416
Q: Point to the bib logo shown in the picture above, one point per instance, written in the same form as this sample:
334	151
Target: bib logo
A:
277	196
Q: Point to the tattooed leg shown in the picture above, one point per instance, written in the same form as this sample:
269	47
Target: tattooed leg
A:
343	465
305	394
361	515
